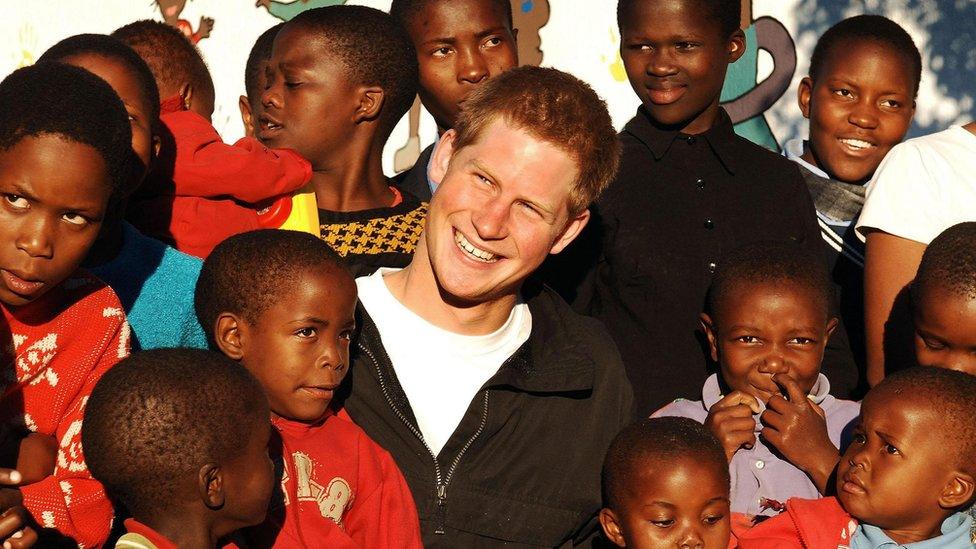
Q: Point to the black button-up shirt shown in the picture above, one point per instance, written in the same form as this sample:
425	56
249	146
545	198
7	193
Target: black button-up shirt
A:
679	203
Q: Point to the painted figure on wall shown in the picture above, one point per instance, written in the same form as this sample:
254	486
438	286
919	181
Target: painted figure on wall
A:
171	10
743	97
287	10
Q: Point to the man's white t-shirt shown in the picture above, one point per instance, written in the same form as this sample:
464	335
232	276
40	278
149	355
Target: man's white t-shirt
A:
923	186
440	371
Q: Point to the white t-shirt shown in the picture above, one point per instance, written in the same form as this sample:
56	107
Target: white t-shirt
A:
923	186
440	371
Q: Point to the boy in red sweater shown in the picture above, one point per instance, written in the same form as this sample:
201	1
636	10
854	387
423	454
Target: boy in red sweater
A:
906	477
65	146
200	190
180	438
288	318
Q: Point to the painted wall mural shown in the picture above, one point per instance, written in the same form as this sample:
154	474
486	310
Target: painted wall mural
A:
579	36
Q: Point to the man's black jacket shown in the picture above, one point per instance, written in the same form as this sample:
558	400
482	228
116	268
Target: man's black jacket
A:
523	466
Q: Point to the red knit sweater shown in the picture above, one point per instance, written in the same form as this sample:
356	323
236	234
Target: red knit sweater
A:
339	490
203	190
55	349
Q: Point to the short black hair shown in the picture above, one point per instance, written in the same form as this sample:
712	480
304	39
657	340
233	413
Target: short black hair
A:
158	416
260	53
952	397
657	442
54	98
405	10
171	57
103	45
727	13
373	49
770	262
247	273
873	28
948	264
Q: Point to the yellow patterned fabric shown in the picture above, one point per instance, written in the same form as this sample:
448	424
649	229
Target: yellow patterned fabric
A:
368	240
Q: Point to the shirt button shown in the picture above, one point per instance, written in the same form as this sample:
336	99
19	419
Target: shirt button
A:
760	464
691	139
709	224
700	183
711	267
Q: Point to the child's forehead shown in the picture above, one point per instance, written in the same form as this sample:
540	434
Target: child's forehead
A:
672	16
444	16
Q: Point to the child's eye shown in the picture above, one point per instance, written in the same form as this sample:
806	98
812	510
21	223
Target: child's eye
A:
666	523
493	41
292	84
305	332
346	335
15	201
844	92
442	51
747	339
933	345
858	438
713	519
74	219
890	104
802	341
889	449
684	46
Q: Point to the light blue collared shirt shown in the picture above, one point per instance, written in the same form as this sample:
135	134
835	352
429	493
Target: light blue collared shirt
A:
955	535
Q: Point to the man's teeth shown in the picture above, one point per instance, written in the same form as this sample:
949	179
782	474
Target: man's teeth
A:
856	144
480	254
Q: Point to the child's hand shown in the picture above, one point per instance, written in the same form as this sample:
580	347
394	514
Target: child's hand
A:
730	420
797	428
37	457
15	532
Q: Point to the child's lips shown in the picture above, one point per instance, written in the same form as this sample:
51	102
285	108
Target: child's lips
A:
320	392
852	485
665	94
21	285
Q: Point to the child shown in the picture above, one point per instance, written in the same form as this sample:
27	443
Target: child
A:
255	79
903	480
201	190
65	147
860	98
154	281
689	190
666	484
338	81
180	438
288	318
767	324
460	45
944	301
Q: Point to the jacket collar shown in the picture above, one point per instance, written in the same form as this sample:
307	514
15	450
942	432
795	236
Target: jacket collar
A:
720	137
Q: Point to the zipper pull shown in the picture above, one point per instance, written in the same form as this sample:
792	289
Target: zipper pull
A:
441	494
441	501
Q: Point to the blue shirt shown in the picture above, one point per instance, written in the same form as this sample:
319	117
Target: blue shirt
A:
155	284
955	534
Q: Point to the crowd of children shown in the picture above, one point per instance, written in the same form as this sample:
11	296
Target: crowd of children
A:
181	372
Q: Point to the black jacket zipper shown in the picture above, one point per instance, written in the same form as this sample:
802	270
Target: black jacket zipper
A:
440	481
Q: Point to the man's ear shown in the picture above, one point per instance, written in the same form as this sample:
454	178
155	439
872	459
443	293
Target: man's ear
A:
371	101
245	107
229	336
186	95
573	228
737	45
441	157
708	326
803	95
957	492
210	485
611	527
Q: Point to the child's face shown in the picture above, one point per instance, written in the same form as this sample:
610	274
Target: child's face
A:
860	106
459	44
945	331
764	329
54	195
893	473
251	107
127	87
688	506
249	479
309	101
299	348
676	62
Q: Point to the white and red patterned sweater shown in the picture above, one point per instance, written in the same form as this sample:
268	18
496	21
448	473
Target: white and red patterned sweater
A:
53	352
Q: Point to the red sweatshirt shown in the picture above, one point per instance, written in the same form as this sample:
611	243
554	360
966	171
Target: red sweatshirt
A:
806	524
339	489
58	347
208	190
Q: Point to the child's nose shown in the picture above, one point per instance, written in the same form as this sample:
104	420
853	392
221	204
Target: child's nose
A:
774	362
691	538
35	239
661	64
863	115
473	68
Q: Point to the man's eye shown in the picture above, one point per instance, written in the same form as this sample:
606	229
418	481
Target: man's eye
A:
346	335
933	345
74	219
305	332
17	202
493	41
442	52
292	84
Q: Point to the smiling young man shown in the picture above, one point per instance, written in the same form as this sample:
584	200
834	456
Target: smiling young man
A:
688	192
495	399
